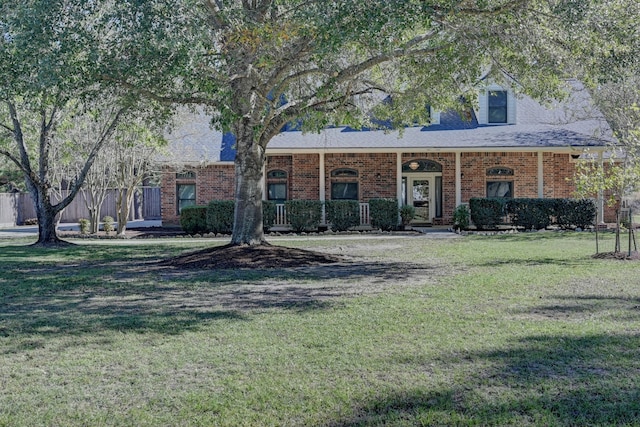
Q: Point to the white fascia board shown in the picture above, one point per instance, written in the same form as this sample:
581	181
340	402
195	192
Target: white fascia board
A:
568	149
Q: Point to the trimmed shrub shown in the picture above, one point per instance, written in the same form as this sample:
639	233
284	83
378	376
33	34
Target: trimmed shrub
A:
575	213
531	213
107	224
268	214
219	217
343	214
407	213
193	219
461	217
384	214
84	226
303	214
486	213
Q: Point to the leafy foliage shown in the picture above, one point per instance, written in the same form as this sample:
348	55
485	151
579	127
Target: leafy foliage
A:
407	213
220	216
107	224
261	64
383	213
84	226
268	214
486	213
461	217
303	215
342	214
575	213
193	219
530	213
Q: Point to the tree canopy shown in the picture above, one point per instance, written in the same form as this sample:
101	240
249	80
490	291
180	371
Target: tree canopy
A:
260	64
51	53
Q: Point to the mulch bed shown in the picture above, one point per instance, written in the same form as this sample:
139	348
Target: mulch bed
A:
264	256
623	256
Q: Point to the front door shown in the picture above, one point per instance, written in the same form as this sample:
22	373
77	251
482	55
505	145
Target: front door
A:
421	196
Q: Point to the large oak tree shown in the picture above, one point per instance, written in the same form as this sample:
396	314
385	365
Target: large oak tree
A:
260	64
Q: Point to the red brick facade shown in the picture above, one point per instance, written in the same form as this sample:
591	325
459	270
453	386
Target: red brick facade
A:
376	177
376	173
213	182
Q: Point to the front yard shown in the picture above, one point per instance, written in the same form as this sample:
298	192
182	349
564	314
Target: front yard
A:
523	329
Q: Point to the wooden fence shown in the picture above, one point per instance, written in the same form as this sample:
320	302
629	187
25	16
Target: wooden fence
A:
16	208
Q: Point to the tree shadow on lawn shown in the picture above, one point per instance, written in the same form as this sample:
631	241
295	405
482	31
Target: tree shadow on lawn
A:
533	262
140	295
581	307
537	380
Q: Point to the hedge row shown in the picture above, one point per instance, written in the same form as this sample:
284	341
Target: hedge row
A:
303	215
487	213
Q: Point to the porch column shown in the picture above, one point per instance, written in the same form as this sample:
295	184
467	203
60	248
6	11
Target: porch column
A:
399	178
264	179
322	178
322	185
600	200
540	175
458	180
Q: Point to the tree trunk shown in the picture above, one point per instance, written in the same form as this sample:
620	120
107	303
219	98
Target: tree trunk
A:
47	232
123	202
94	220
249	174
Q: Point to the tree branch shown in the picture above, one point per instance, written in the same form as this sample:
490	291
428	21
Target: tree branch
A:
75	187
25	162
215	8
166	100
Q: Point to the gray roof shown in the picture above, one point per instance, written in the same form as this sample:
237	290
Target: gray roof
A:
192	139
573	123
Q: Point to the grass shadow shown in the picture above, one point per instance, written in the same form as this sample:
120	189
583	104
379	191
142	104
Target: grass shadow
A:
88	290
537	380
580	307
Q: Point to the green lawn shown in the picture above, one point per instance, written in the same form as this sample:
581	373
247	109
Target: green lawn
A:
520	329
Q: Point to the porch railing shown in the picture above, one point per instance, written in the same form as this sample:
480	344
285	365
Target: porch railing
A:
282	221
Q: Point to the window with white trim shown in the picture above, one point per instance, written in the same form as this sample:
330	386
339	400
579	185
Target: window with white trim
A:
497	106
186	195
344	184
277	184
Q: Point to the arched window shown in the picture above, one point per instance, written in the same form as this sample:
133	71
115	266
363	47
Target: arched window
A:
277	185
421	165
344	184
344	172
500	171
277	174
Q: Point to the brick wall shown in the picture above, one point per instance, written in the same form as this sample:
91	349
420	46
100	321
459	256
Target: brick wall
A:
376	173
558	175
213	182
474	168
377	177
305	177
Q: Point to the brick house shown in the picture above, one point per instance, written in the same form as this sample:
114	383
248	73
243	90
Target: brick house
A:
511	146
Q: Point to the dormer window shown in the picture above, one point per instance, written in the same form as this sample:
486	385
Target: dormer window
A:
497	106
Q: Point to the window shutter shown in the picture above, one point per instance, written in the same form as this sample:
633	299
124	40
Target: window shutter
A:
511	108
483	102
